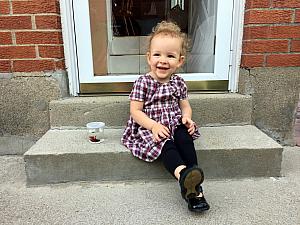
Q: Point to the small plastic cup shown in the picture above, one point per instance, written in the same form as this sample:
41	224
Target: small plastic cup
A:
95	132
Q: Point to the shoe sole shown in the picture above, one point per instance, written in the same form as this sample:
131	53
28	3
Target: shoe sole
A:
199	210
192	182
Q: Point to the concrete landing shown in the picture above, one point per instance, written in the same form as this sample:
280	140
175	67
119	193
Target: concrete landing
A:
223	152
251	201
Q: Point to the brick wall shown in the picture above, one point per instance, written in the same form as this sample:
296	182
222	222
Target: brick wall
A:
30	36
271	33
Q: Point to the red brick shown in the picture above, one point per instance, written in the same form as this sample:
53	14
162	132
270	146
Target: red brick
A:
35	6
268	16
286	3
60	65
38	37
263	46
51	52
33	65
295	46
297	17
17	52
264	32
5	66
252	61
5	38
15	22
283	60
251	4
4	7
48	22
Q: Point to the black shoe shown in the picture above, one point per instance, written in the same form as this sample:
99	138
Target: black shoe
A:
198	204
190	181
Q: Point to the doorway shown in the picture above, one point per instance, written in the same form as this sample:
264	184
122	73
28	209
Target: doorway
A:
111	39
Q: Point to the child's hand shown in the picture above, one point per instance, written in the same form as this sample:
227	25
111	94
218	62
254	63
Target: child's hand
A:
160	132
189	123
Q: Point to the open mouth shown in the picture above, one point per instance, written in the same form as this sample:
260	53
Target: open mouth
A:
162	68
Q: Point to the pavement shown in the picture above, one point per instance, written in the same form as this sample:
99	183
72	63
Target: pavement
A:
267	200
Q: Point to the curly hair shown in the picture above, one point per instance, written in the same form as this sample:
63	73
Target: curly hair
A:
169	28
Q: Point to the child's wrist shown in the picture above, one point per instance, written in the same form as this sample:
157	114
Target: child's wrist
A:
153	124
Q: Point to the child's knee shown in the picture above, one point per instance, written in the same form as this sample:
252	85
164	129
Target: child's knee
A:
181	135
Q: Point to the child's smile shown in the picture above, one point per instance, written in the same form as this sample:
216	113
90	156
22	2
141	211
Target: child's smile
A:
164	57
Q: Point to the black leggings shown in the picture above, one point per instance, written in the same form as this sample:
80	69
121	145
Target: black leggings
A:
181	151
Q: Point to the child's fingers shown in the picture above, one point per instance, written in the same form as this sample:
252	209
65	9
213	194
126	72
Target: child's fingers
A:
164	133
191	129
156	138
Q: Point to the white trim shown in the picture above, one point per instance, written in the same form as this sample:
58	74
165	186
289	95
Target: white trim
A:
83	40
69	45
236	44
223	39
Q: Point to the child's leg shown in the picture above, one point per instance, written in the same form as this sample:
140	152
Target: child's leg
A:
185	145
172	159
189	178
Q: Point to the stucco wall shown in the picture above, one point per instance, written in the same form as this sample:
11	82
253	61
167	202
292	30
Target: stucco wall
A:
275	93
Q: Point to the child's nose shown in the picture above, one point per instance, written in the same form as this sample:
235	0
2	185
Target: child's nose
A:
162	59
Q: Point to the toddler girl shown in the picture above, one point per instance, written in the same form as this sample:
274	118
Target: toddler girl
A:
160	123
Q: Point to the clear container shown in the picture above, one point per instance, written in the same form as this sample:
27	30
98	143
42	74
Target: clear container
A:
95	132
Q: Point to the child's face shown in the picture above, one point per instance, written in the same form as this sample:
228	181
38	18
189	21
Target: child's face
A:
164	57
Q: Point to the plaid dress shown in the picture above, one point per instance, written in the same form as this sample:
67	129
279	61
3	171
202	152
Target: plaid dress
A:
161	103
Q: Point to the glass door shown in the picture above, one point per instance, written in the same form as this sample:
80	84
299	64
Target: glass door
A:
111	38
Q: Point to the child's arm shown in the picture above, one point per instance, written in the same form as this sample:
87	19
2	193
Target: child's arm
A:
158	130
186	111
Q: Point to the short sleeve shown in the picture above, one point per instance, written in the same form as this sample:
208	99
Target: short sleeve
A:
138	91
183	89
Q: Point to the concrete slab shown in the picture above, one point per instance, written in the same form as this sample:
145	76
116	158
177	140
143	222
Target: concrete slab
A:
227	152
259	201
14	144
208	110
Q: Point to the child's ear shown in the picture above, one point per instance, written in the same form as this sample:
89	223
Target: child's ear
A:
148	57
181	61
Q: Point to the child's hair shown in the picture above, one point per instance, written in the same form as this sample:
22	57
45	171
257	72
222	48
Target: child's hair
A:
171	29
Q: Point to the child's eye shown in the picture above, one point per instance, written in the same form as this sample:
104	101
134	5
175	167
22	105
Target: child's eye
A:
171	56
156	54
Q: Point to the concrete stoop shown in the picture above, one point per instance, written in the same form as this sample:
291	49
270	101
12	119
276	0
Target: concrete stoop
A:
223	152
208	110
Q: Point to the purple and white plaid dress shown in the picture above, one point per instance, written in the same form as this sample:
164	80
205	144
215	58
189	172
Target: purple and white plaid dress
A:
161	103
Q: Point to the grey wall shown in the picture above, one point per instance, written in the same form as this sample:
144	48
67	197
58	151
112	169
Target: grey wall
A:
275	93
24	104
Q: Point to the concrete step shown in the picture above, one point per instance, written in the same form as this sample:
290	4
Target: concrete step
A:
223	152
208	110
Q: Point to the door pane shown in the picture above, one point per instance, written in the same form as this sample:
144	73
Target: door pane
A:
130	21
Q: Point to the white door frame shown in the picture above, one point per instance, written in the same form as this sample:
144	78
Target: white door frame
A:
75	53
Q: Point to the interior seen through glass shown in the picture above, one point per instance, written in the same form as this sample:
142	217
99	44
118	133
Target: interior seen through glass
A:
132	20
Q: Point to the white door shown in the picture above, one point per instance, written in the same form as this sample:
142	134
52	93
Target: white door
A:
122	46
